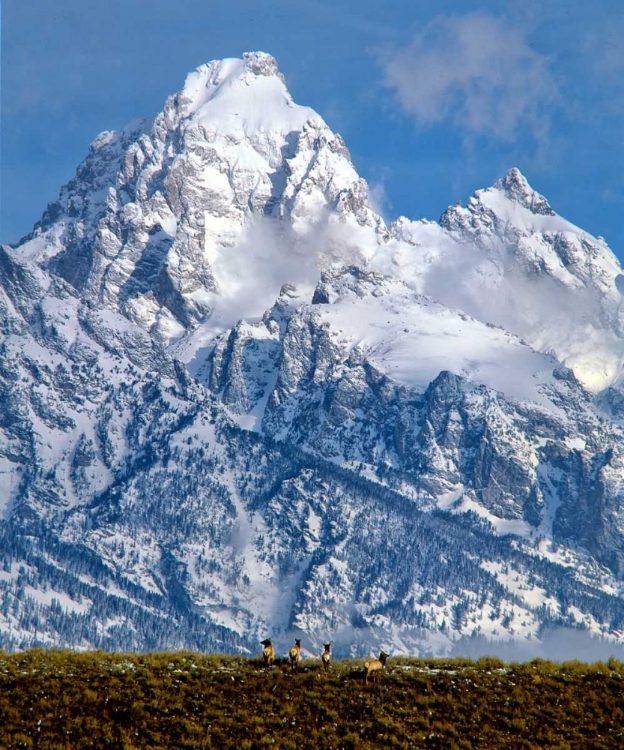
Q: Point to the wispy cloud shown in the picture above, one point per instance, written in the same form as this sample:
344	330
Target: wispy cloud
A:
601	57
476	71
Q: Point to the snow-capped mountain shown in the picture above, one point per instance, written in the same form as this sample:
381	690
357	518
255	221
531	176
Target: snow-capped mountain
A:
165	220
235	401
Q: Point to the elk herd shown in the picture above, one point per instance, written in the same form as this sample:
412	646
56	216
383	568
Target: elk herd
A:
372	669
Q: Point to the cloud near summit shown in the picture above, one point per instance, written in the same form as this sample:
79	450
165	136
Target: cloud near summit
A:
476	71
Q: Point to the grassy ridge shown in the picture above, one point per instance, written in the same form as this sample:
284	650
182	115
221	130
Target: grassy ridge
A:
61	699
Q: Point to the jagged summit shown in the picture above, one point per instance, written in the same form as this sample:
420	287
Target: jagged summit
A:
512	200
247	94
251	64
231	71
506	258
163	223
516	188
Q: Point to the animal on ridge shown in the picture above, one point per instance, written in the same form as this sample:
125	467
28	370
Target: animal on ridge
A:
373	668
326	656
268	652
295	655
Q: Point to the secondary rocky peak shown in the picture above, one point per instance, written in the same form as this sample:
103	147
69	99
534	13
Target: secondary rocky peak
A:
498	205
516	188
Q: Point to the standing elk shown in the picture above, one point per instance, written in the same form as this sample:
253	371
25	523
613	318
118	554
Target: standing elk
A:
325	656
373	668
268	652
295	655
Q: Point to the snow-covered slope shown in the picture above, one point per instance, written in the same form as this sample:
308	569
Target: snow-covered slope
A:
508	259
234	401
411	339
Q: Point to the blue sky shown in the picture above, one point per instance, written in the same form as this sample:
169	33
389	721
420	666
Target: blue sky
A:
434	99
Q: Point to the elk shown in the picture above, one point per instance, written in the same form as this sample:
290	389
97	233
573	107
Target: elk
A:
295	655
268	652
375	666
325	656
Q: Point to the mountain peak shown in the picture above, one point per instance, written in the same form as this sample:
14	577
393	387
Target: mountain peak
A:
240	89
261	64
217	73
149	222
516	188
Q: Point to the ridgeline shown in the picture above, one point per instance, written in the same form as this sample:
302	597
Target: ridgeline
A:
63	699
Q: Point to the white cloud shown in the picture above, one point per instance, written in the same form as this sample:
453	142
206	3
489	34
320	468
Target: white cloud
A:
600	74
477	71
251	273
378	197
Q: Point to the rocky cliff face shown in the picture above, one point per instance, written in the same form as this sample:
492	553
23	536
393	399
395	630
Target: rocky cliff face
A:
234	401
495	439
